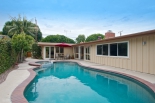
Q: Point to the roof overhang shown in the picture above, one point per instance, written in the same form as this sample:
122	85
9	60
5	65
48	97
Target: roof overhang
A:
50	44
145	33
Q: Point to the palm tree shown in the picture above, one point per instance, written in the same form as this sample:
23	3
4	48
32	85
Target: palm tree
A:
19	25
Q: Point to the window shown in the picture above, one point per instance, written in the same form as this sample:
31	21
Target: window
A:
59	50
99	49
113	49
123	49
105	49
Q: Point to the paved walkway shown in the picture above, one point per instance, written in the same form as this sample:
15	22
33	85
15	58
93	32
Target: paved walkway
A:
13	79
19	75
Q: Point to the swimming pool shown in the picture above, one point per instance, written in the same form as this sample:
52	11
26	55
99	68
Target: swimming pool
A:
66	82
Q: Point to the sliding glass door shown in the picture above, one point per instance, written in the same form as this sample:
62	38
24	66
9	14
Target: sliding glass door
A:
87	53
52	52
49	52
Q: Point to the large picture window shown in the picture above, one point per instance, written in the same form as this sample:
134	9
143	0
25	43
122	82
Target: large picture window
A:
122	49
113	49
105	49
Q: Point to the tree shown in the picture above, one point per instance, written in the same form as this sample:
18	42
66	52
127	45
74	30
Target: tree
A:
1	32
36	51
7	55
39	35
19	25
57	39
80	38
94	37
22	43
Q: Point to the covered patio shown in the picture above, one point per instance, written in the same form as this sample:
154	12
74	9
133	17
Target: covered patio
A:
55	50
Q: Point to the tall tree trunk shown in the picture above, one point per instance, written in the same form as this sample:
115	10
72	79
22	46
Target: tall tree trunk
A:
21	57
18	56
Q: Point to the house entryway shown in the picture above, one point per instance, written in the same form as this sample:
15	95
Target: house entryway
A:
82	52
49	53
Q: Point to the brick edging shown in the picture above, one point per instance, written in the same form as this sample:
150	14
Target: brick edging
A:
18	94
34	64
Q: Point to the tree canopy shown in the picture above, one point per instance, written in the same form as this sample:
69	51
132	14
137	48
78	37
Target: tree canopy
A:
94	37
80	38
58	39
19	25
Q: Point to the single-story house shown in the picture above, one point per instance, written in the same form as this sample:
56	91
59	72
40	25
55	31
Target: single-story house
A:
133	52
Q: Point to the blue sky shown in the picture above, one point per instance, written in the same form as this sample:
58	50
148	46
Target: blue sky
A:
74	17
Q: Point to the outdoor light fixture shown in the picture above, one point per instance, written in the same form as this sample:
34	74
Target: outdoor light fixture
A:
144	42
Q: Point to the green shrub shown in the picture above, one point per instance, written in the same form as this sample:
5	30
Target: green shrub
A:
7	55
36	51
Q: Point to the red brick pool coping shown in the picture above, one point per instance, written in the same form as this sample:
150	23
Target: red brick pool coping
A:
34	64
18	94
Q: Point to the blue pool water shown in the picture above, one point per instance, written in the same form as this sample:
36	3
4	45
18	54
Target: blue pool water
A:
70	83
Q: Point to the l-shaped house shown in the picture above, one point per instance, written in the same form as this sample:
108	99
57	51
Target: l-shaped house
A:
133	52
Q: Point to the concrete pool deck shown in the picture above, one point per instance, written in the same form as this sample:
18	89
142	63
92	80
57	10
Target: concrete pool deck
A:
16	77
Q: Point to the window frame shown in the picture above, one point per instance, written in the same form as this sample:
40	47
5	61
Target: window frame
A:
117	49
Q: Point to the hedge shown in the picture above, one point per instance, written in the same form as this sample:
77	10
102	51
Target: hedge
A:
7	55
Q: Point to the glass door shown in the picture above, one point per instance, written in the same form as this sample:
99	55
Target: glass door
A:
52	52
81	52
46	52
49	52
87	53
76	52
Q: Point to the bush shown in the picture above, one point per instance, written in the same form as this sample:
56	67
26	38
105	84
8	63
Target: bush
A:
7	55
22	44
36	51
